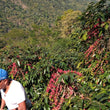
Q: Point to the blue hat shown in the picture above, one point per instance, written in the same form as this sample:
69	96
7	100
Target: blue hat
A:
3	74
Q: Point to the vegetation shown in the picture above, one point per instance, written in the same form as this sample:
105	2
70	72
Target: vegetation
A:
24	13
66	66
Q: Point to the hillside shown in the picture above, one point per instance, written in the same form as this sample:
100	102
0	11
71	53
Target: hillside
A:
24	13
65	66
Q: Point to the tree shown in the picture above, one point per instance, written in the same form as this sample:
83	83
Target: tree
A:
68	23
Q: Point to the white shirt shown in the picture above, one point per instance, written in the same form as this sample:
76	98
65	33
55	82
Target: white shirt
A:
14	96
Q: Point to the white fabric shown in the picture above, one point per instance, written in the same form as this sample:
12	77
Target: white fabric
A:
14	96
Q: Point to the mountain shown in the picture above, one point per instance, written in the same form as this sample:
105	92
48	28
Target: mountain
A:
25	13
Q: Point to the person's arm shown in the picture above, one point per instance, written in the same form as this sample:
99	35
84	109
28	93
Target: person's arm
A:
22	106
2	104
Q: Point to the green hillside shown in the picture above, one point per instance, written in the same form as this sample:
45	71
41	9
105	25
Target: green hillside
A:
24	13
60	53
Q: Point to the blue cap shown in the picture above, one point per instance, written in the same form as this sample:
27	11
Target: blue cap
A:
3	74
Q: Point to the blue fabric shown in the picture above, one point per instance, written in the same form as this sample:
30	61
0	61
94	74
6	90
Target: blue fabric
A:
3	74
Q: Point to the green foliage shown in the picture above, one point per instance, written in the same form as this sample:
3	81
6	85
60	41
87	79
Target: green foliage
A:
36	54
68	23
25	13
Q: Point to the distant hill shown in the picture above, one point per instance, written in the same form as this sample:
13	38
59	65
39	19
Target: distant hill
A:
24	13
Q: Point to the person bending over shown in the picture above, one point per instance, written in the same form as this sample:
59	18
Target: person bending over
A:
12	93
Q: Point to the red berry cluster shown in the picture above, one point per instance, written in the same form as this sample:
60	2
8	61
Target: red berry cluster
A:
92	48
16	72
14	69
58	92
94	32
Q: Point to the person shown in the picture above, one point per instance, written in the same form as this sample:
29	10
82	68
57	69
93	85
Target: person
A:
13	94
